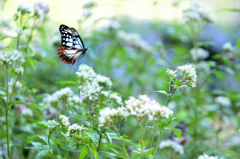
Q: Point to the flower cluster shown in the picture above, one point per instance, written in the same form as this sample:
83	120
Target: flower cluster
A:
17	86
75	130
144	106
172	144
106	24
107	115
19	70
199	54
134	40
205	156
171	73
10	57
189	75
92	83
55	97
27	112
64	120
65	92
197	12
227	47
38	10
224	101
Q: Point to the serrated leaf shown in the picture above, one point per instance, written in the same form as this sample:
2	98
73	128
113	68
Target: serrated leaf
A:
41	154
84	152
176	131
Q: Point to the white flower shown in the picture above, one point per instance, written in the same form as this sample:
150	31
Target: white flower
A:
144	106
228	47
105	93
205	156
171	73
85	72
224	101
27	112
189	75
64	120
75	130
172	144
107	115
51	123
38	12
23	8
102	80
90	89
48	100
75	99
197	11
199	54
134	40
19	70
65	92
17	87
116	97
10	57
105	24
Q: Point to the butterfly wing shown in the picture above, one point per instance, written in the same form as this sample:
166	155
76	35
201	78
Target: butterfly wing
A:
77	41
69	55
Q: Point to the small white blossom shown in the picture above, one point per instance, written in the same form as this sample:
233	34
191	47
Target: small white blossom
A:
228	47
75	130
134	40
189	75
19	70
10	57
51	123
65	92
85	72
205	156
116	97
24	9
171	73
102	80
75	99
105	93
144	106
105	24
107	115
38	12
64	120
27	112
197	11
172	144
224	101
90	89
17	87
199	54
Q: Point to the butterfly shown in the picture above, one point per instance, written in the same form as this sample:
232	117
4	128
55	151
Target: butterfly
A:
72	45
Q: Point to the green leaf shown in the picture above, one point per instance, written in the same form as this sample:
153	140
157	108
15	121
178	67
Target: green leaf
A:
231	152
162	92
66	82
92	146
229	10
137	155
83	152
177	82
41	154
36	144
238	44
176	131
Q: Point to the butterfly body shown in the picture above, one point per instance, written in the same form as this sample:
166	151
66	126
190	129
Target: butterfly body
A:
72	45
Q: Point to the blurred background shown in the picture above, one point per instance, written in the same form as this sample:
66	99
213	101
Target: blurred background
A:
133	42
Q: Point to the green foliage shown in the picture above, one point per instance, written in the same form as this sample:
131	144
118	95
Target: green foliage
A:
36	88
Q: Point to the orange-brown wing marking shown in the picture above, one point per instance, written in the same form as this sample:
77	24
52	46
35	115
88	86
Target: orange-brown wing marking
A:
66	54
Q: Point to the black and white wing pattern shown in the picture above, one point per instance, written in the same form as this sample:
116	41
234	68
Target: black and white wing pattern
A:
72	45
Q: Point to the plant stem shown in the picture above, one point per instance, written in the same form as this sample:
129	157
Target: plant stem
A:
141	130
99	142
158	142
30	36
169	97
120	140
7	113
153	132
89	148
